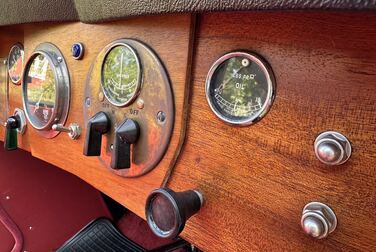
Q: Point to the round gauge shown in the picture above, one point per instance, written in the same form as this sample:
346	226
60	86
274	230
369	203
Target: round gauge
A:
41	91
15	63
240	88
46	89
121	75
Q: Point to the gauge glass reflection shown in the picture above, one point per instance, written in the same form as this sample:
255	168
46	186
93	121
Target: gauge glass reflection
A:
239	88
15	63
40	97
121	75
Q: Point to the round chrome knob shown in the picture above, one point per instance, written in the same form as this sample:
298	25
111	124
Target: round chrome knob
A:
313	226
167	211
332	148
318	220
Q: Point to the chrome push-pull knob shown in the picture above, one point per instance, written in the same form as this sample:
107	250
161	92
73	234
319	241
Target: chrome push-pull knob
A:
73	130
332	148
167	211
318	220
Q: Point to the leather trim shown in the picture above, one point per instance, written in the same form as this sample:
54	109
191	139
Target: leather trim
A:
30	11
92	11
98	10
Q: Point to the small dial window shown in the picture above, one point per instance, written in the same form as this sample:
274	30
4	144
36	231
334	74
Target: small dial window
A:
240	88
121	75
40	86
15	63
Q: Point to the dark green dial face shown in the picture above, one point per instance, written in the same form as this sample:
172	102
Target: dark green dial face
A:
239	89
121	75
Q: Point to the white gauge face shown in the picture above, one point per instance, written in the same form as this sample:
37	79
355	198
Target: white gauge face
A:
40	97
240	88
15	63
121	75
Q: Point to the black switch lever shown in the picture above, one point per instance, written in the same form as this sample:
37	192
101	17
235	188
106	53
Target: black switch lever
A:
98	125
125	135
12	125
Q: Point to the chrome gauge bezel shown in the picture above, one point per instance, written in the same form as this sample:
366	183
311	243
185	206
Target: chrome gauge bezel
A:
62	88
267	70
139	76
20	46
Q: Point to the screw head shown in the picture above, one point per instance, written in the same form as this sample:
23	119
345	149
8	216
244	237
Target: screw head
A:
161	117
140	104
101	96
245	62
87	101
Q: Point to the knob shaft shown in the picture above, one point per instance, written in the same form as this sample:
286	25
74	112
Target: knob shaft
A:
318	220
74	130
98	125
332	148
125	135
167	211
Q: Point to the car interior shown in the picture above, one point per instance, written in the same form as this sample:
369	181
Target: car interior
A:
187	125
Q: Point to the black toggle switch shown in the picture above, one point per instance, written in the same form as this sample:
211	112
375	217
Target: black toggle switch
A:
125	135
98	125
12	125
167	211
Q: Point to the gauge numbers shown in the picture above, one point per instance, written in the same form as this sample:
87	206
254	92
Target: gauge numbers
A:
15	63
240	88
41	91
121	75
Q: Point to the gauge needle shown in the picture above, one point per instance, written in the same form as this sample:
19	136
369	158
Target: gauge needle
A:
236	103
121	67
40	98
222	86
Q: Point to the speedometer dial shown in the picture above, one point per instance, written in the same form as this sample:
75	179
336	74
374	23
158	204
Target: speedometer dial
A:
40	92
121	75
240	88
46	89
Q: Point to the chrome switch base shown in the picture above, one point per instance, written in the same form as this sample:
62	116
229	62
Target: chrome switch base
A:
332	148
318	220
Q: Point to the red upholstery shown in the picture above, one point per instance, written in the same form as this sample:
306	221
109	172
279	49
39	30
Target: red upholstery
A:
47	204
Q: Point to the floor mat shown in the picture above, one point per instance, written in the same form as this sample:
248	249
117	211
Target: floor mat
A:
100	235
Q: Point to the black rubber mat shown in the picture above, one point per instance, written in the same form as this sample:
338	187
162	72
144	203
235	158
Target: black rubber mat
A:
100	235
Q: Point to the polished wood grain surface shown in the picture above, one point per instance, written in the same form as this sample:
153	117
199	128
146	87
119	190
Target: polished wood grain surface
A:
8	37
257	179
170	40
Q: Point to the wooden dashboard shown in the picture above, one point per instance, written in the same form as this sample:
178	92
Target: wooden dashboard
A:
255	179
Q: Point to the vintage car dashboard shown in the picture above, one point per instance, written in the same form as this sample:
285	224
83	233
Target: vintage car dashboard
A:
268	117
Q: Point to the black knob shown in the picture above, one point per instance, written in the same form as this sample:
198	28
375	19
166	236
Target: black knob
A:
125	135
167	211
98	125
12	125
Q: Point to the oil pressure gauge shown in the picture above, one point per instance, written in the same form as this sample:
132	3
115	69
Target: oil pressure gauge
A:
240	88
